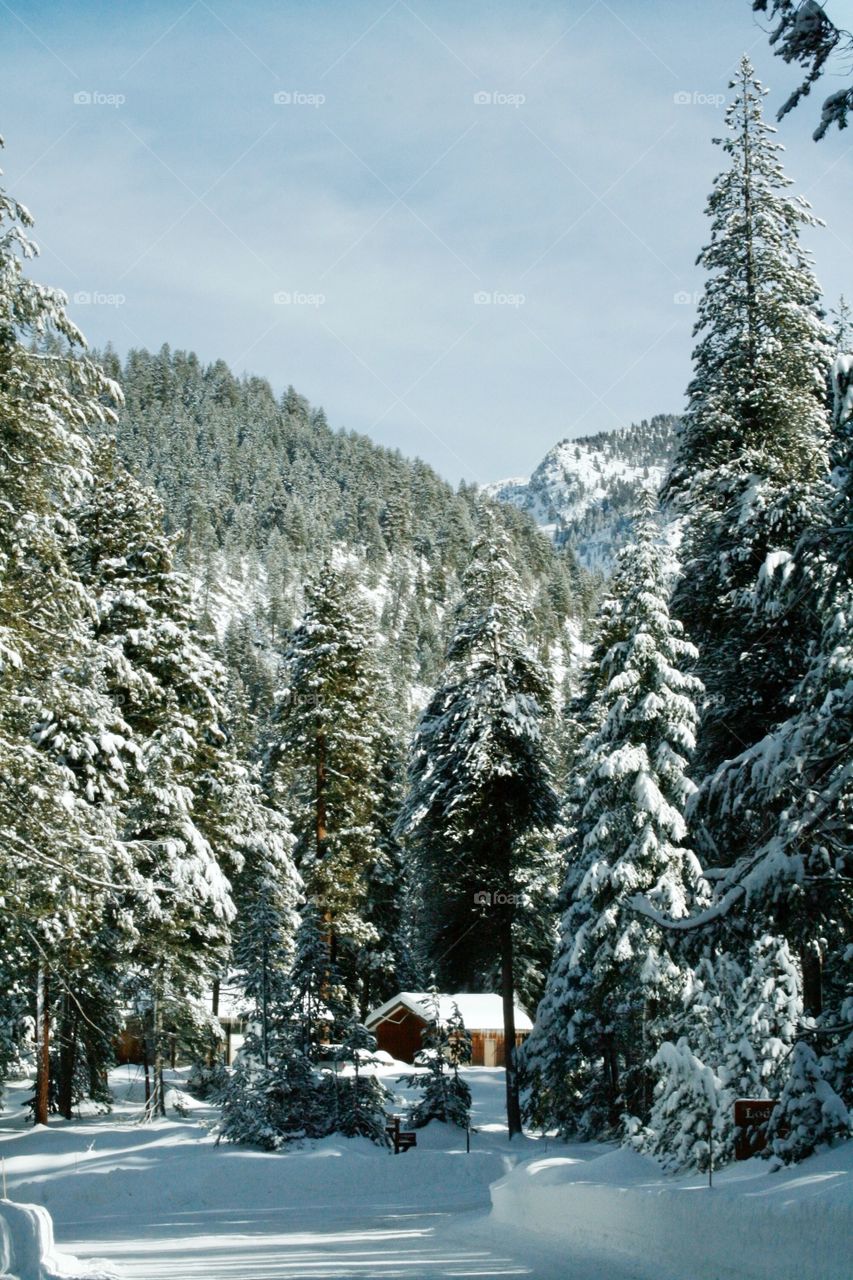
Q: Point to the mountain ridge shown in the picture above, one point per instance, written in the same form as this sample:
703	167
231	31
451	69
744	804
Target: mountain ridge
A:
584	491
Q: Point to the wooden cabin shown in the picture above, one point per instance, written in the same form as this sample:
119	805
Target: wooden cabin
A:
399	1024
224	1001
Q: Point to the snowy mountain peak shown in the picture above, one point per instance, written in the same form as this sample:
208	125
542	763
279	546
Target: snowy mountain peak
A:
584	491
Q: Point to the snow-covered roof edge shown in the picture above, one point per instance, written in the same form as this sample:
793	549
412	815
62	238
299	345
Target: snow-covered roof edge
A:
481	1011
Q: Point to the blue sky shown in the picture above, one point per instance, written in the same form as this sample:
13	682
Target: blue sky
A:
314	192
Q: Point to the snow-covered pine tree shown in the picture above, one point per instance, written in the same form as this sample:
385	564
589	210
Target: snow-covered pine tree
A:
709	1017
360	1096
270	1106
382	959
57	843
81	731
810	1112
766	1021
446	1047
792	792
689	1100
330	735
265	894
736	1035
754	435
480	800
189	806
613	989
271	1097
319	1001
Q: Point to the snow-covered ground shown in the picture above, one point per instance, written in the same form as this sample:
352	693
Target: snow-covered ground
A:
162	1200
792	1224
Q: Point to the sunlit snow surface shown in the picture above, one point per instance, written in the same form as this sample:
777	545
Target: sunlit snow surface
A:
162	1200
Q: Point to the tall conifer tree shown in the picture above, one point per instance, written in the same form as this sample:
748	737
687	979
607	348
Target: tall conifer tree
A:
330	736
755	432
613	985
481	802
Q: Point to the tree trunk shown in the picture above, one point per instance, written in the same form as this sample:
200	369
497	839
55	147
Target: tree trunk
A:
145	1067
320	797
98	1072
265	1011
67	1057
611	1066
513	1105
214	1009
321	835
811	963
159	1107
42	1097
155	1102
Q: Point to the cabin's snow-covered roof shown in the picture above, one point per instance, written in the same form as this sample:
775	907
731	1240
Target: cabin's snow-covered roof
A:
481	1011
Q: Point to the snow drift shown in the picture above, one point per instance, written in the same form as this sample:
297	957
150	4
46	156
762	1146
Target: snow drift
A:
752	1224
27	1250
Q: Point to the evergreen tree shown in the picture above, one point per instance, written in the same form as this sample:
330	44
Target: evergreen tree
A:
272	1096
57	839
613	987
810	1112
766	1022
790	796
689	1100
382	958
263	935
446	1047
330	734
270	1106
480	797
791	793
188	807
738	1030
319	1001
360	1097
754	435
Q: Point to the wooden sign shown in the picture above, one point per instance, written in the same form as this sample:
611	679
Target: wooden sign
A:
751	1118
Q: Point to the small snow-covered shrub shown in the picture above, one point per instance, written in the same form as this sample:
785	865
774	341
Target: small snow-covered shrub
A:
446	1097
360	1099
688	1112
809	1113
271	1106
207	1081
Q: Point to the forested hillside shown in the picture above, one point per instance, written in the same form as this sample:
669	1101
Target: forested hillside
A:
262	489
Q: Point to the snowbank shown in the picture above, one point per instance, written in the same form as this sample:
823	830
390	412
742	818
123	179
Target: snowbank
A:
27	1251
752	1224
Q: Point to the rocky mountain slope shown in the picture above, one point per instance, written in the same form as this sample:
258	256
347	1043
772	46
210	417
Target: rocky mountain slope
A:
584	491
